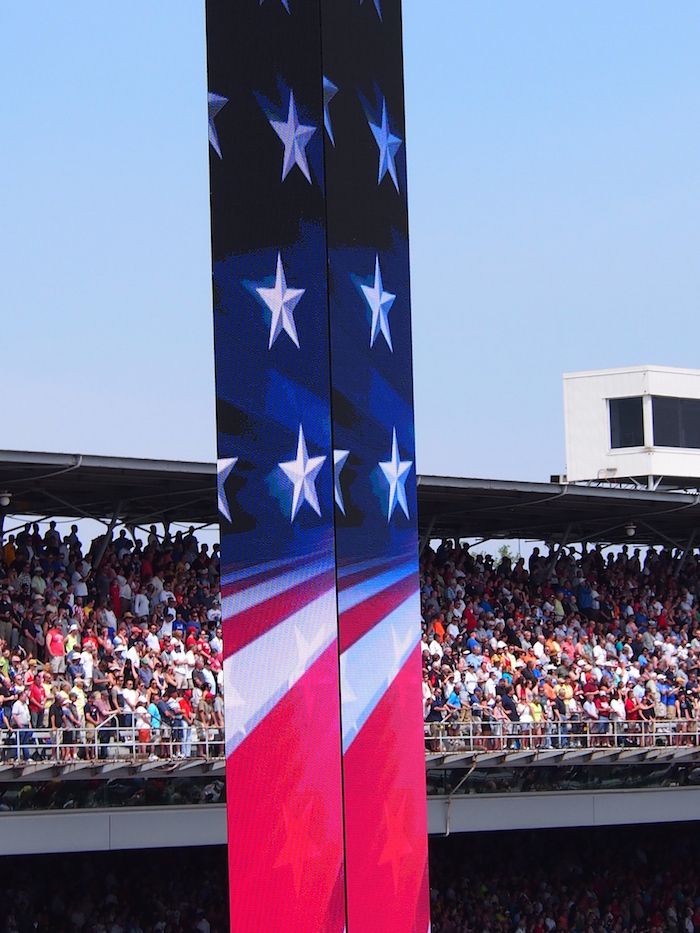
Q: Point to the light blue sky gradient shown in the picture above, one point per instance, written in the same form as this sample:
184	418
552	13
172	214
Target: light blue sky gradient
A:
554	193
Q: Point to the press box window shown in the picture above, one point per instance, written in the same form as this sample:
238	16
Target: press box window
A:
626	422
676	422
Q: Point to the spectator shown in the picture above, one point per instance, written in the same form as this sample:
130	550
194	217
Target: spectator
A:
87	635
620	634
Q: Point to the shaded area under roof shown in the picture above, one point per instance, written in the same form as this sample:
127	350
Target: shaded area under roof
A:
75	486
481	508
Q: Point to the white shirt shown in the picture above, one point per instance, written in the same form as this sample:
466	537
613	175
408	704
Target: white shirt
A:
435	648
20	711
141	606
178	656
216	644
87	661
152	642
79	584
617	708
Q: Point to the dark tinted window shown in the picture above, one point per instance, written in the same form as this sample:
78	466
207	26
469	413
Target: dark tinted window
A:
676	422
626	422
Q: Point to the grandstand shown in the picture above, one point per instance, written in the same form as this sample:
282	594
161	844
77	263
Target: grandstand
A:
562	879
582	644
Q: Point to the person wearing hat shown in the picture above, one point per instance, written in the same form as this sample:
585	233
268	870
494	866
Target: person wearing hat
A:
38	583
74	668
73	638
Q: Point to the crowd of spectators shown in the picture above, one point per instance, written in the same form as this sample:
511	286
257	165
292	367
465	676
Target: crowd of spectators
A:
622	879
569	648
631	879
119	638
157	891
566	649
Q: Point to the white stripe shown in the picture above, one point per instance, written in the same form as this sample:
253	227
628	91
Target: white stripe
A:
364	680
349	569
236	575
354	595
260	674
259	592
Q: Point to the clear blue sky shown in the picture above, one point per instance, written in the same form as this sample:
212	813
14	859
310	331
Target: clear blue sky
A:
554	191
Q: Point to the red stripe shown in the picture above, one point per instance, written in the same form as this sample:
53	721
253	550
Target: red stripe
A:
356	622
244	627
245	583
361	575
285	812
388	804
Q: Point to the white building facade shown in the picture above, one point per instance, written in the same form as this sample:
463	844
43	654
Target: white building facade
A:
638	422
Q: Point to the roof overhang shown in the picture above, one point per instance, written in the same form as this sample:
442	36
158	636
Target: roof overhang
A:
86	486
146	491
488	509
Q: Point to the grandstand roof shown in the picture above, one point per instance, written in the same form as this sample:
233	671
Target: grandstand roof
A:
488	509
82	485
145	491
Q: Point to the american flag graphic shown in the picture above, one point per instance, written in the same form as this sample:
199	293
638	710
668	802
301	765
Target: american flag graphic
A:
316	483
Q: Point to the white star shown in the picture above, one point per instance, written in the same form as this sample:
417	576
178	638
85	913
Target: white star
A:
281	301
401	647
376	3
295	137
285	4
395	472
339	458
215	102
329	92
302	473
223	468
307	651
388	146
380	303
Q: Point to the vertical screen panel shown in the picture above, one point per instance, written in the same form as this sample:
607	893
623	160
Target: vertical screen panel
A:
275	481
374	455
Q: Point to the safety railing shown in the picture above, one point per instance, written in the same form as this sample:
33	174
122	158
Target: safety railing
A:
489	735
116	739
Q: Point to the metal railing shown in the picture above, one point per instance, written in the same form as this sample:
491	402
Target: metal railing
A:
493	736
116	739
119	740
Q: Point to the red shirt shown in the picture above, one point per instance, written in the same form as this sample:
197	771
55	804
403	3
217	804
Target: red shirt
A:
54	643
146	570
37	695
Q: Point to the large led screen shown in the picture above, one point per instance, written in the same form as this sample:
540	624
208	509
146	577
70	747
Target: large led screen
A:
316	483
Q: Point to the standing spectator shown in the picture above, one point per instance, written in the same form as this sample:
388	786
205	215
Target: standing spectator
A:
21	721
55	647
37	702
